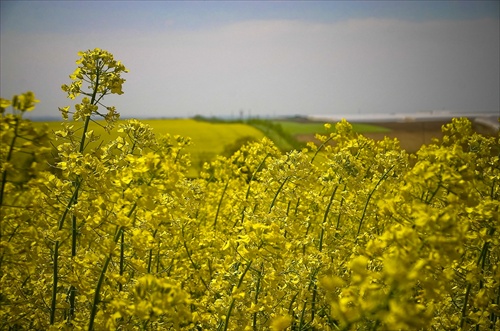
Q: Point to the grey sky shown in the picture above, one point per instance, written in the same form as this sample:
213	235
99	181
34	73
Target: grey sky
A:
267	58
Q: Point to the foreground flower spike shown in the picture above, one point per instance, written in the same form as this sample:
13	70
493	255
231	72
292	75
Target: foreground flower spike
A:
98	68
98	74
25	101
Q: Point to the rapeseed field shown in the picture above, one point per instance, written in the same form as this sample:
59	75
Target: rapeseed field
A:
347	234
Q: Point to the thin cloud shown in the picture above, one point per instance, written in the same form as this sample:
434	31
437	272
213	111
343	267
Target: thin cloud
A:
275	67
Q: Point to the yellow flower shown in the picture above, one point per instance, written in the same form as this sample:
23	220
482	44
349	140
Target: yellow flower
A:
4	103
331	283
281	323
25	101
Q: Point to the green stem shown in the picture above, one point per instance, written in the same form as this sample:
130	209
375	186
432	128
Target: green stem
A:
433	194
369	198
122	259
492	191
479	262
92	102
493	315
464	308
325	217
256	298
302	315
158	261
287	213
97	293
4	179
321	147
74	231
85	128
11	235
55	277
231	305
277	193
313	284
261	164
220	204
340	214
74	234
313	301
230	309
194	264
54	283
290	307
9	157
150	260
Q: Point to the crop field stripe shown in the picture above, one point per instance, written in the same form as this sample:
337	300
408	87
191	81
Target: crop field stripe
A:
208	139
295	128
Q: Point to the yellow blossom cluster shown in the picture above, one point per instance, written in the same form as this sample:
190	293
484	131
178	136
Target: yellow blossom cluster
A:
353	234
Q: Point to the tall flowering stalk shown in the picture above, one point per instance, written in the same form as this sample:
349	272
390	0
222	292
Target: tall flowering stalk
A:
102	73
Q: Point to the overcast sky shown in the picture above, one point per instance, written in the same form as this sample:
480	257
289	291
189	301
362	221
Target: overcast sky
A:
261	58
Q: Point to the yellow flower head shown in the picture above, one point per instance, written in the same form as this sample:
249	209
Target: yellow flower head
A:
4	103
24	102
281	323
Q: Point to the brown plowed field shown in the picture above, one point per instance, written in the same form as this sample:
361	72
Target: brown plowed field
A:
411	135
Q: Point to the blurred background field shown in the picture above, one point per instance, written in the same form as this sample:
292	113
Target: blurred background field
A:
211	136
208	139
296	128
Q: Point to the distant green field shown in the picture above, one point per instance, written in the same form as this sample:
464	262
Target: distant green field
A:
296	128
208	139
